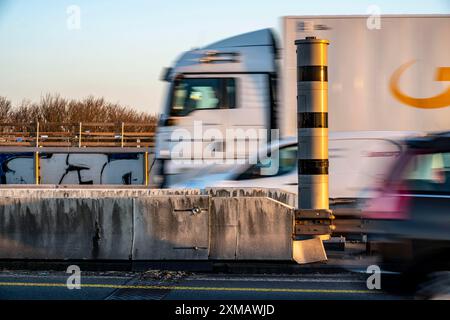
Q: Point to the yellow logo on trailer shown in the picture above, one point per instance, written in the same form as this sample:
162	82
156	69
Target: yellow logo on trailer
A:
439	101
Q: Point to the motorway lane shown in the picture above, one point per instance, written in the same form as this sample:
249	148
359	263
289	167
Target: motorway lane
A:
50	286
136	286
284	287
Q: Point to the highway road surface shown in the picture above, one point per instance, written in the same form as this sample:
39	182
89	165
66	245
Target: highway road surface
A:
169	285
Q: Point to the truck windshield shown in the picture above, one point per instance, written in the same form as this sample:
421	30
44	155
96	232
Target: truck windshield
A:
202	93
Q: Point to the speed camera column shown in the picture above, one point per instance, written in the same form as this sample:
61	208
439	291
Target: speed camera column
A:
312	123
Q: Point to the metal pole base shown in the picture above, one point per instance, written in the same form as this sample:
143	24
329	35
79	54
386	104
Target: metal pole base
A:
308	251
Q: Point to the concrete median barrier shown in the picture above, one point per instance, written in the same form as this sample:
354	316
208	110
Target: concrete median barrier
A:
250	228
55	228
264	229
144	224
171	227
224	228
283	196
92	192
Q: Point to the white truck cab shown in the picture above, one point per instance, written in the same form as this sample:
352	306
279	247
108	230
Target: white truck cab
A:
230	85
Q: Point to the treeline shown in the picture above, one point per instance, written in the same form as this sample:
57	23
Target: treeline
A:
55	109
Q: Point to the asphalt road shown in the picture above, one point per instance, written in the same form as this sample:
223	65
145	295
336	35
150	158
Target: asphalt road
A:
155	285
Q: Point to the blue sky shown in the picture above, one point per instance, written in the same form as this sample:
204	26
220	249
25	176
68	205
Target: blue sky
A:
122	46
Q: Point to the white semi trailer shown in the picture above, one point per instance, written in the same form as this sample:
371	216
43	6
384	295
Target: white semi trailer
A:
386	80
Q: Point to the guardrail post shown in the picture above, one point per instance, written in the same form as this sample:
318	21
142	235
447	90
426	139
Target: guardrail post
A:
121	135
146	168
37	134
37	169
36	157
79	137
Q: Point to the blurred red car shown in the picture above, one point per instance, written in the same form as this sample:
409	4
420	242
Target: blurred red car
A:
409	221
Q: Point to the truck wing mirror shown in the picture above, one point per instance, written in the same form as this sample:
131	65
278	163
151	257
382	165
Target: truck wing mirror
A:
165	74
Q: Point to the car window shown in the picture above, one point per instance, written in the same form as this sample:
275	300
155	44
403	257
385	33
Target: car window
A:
202	94
428	172
287	163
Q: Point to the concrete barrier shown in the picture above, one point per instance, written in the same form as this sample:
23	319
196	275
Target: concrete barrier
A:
55	191
54	228
81	166
250	228
144	224
285	197
171	227
264	229
224	228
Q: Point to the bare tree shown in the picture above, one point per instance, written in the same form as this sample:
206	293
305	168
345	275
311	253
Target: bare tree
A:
5	109
55	109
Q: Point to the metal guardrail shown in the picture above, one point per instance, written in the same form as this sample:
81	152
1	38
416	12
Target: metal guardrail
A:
81	134
349	220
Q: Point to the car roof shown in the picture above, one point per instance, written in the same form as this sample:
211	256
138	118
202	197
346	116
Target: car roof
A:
435	141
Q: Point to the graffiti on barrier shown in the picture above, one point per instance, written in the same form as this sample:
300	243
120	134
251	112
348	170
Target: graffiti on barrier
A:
73	168
16	168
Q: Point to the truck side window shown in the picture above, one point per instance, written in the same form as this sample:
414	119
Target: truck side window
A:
192	94
230	91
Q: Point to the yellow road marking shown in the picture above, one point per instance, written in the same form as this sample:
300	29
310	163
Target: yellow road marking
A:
185	288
